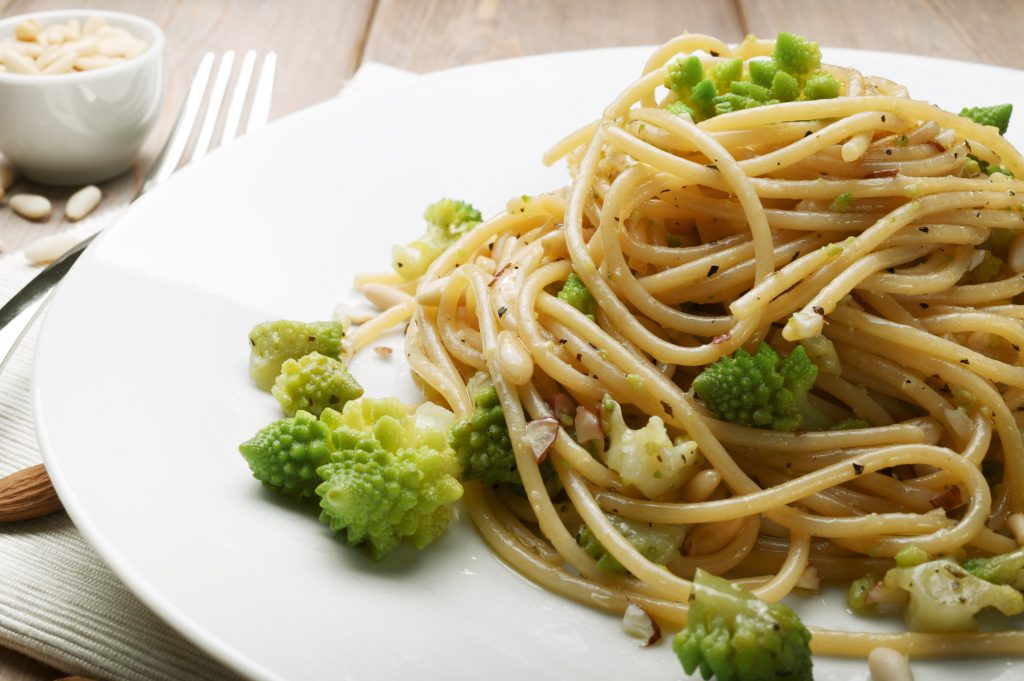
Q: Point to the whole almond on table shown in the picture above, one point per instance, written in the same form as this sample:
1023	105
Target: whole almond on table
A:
27	494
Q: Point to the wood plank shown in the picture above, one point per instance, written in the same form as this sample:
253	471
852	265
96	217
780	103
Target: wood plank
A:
194	27
425	36
986	31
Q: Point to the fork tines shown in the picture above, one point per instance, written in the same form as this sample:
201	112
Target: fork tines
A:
213	97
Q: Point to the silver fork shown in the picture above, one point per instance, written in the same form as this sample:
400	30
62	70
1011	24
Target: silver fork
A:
17	315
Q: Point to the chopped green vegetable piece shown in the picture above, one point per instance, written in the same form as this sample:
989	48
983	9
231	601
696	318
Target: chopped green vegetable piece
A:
274	342
702	98
850	424
733	635
841	203
997	116
745	88
656	542
1007	568
987	270
945	597
683	74
576	293
314	382
726	72
785	87
482	444
909	556
680	109
447	220
856	595
762	72
795	55
821	86
284	455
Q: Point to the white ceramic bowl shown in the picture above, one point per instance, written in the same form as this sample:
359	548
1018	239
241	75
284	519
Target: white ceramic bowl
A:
80	128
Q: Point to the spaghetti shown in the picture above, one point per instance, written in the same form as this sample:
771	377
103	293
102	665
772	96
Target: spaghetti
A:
858	222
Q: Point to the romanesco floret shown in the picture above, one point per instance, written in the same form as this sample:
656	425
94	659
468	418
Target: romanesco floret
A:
946	597
997	116
987	270
657	543
284	456
1007	568
734	636
391	476
647	458
313	383
796	55
683	74
274	342
821	86
785	87
680	109
576	293
481	442
763	390
447	220
762	71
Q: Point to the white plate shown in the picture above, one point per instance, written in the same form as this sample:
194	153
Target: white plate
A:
142	395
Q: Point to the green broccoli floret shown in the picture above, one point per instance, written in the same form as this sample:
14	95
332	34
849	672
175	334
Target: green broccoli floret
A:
447	220
1007	568
391	476
647	457
997	116
576	293
656	542
821	86
314	382
683	74
734	636
762	72
946	597
795	55
284	456
274	342
763	390
482	445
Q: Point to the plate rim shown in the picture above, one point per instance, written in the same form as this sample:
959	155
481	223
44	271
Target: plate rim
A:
162	607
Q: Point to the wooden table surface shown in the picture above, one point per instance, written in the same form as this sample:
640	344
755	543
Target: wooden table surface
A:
320	43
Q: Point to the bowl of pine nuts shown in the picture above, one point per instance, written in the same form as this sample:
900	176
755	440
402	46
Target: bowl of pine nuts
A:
79	93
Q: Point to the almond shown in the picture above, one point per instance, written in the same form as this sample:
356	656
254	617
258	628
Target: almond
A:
27	494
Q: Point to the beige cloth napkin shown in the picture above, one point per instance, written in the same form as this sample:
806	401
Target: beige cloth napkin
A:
59	603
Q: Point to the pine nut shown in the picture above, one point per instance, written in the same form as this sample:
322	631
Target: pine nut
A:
82	202
1015	254
27	30
702	485
62	65
887	664
31	206
47	50
7	177
93	24
514	359
382	296
92	63
18	63
1015	523
49	248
